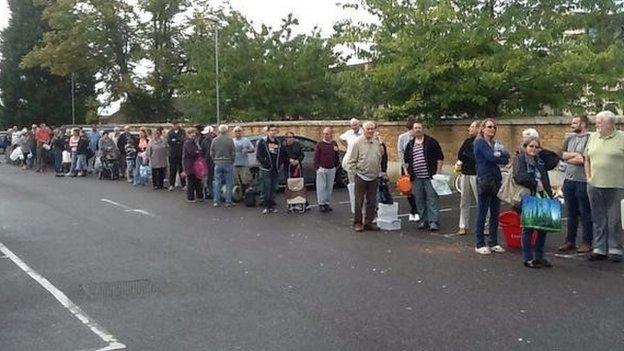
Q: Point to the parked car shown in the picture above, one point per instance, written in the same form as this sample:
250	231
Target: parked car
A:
309	174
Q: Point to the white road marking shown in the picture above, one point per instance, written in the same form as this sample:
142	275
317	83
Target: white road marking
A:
95	327
128	208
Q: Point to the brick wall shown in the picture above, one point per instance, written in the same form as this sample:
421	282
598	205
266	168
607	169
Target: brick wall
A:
450	134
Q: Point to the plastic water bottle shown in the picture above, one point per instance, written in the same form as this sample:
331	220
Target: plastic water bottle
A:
498	148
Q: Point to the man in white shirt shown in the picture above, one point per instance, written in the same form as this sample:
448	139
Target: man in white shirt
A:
348	139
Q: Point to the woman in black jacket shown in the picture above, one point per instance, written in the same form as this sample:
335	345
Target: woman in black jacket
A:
530	171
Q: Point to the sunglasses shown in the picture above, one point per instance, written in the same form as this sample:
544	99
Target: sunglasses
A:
491	126
533	146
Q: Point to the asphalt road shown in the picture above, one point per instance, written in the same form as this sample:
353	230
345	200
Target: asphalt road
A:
156	273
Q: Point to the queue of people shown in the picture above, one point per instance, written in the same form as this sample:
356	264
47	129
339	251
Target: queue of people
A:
208	164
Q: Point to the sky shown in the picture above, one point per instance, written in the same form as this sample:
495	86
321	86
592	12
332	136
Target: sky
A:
321	13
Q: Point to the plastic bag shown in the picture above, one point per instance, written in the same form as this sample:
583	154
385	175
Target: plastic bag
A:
17	154
383	193
66	157
440	183
145	172
97	164
541	213
351	189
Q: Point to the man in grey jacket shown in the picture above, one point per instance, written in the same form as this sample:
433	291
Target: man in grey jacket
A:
222	152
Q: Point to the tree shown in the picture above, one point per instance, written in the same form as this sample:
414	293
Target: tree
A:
486	57
92	38
264	74
31	94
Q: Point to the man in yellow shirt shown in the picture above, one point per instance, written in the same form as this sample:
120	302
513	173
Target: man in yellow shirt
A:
604	167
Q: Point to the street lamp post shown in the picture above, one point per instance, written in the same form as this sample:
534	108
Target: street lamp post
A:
216	21
73	99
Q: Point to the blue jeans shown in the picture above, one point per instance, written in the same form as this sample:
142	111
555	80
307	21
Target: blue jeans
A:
427	200
528	253
487	203
578	208
223	174
269	185
57	156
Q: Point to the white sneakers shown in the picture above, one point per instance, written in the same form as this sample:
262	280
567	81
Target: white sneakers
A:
497	249
486	250
414	217
483	250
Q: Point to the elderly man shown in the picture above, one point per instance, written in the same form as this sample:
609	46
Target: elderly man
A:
575	187
222	154
121	142
423	159
326	160
604	167
365	163
243	147
469	178
347	139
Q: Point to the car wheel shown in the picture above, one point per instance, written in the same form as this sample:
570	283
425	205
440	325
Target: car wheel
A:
342	179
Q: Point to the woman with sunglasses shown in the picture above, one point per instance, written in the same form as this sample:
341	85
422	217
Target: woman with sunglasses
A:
530	172
489	154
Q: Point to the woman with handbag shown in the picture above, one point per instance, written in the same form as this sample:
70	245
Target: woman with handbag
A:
529	171
489	154
191	159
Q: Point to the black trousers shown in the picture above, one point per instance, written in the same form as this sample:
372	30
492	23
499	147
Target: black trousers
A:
175	167
193	188
158	177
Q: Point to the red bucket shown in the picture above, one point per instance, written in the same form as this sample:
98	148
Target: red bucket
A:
510	223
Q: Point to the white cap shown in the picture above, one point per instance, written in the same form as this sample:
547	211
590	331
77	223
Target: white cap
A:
207	129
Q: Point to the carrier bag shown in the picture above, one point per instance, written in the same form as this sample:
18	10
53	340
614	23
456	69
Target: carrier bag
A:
383	193
351	189
541	213
510	192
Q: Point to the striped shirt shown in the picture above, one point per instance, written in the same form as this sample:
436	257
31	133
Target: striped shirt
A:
420	165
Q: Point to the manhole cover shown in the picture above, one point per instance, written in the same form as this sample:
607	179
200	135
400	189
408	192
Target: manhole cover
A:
123	289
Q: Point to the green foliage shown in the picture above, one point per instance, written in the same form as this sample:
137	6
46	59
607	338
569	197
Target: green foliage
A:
32	94
266	74
489	57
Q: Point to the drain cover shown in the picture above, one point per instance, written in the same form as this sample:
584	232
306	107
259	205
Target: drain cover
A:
122	289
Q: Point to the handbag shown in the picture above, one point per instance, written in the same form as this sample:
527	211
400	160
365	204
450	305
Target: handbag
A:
404	185
383	193
510	192
66	156
145	172
487	186
541	213
200	169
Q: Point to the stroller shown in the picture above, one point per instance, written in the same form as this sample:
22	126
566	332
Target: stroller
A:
110	169
295	193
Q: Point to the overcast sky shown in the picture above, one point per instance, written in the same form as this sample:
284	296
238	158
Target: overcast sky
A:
321	13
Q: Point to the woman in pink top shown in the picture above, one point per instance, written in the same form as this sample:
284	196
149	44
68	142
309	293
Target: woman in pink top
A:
73	149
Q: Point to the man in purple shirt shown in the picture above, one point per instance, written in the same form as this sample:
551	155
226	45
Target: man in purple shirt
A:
325	162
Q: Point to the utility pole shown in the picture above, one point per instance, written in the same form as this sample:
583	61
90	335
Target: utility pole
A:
73	99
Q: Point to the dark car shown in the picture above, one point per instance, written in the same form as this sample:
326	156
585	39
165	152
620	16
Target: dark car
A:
309	173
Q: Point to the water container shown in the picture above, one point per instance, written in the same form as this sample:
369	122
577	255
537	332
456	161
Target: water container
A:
388	212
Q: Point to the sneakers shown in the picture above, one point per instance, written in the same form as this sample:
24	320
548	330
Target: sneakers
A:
483	250
423	225
273	210
265	211
567	247
433	226
462	231
229	204
170	187
413	217
216	204
497	249
532	264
